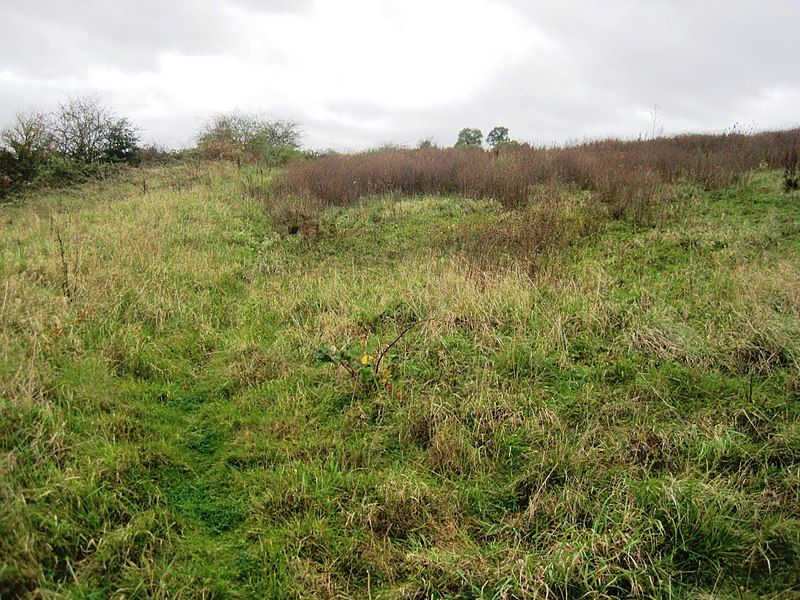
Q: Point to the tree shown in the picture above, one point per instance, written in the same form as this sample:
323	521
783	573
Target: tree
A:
122	143
28	141
426	143
64	146
231	135
276	132
656	123
469	137
497	137
82	125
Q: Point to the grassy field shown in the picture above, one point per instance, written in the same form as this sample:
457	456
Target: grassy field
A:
191	403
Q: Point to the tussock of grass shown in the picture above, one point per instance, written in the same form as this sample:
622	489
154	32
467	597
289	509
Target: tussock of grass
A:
612	413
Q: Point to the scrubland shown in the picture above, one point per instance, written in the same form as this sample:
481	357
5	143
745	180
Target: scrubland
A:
558	373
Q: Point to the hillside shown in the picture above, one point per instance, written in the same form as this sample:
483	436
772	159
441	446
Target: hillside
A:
207	393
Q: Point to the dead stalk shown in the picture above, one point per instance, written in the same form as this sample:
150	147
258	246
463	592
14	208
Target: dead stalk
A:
65	285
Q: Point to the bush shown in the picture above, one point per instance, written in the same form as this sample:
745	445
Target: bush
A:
154	154
28	141
85	130
122	144
65	147
61	170
624	175
791	179
250	136
7	161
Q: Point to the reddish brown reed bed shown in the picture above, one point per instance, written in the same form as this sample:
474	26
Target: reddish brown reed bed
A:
620	173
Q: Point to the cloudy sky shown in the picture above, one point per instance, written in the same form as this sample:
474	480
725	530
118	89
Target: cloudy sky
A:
358	73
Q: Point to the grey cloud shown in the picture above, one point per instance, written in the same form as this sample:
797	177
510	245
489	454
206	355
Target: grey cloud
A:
706	64
273	6
698	58
53	37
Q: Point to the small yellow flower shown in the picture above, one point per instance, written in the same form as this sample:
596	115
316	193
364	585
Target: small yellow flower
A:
366	359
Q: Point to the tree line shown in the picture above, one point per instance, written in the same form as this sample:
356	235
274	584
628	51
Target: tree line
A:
70	144
83	138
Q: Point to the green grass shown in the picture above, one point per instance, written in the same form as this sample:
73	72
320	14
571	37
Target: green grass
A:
620	419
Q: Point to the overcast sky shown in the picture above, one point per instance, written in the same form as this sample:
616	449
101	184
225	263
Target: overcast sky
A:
359	73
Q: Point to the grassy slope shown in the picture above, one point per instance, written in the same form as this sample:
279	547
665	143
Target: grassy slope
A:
626	422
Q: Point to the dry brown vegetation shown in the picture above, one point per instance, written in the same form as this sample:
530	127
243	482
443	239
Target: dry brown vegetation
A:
553	197
621	174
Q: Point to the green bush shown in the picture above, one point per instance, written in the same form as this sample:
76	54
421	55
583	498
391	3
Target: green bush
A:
122	144
66	147
240	135
59	170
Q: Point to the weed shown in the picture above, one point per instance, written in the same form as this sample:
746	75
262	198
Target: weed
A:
365	369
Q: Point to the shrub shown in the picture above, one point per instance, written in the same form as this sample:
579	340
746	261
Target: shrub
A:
241	135
624	175
791	180
29	134
60	170
122	144
86	130
65	147
154	154
28	141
